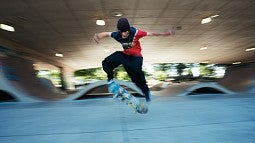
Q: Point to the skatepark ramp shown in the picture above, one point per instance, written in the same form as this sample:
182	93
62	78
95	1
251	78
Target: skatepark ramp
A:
19	81
18	78
240	78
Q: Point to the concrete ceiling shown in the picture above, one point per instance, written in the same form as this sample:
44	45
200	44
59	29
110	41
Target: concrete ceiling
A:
67	26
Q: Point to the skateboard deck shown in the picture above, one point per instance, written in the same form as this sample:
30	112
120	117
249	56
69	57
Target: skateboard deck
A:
137	105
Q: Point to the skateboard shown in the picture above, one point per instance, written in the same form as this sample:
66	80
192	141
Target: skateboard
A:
137	105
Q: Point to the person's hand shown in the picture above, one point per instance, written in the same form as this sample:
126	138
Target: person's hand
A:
96	38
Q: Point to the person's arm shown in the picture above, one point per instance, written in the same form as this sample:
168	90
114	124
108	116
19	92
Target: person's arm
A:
167	33
101	35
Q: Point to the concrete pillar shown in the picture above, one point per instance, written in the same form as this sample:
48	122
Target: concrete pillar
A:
67	78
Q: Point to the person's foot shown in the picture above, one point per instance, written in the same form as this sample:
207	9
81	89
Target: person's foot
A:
148	97
148	100
113	88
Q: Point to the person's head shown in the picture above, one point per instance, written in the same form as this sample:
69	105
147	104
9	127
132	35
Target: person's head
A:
123	27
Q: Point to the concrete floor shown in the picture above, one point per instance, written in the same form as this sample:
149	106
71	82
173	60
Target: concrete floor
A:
219	118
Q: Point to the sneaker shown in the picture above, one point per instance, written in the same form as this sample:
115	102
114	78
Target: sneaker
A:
113	88
148	97
148	100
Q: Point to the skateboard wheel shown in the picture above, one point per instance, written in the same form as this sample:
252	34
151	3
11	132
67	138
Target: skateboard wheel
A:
143	109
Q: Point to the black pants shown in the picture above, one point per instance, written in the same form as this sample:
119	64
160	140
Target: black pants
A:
132	65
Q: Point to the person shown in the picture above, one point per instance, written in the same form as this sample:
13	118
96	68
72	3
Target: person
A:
131	57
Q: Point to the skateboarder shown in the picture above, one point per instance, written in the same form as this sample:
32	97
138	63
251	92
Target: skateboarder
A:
131	57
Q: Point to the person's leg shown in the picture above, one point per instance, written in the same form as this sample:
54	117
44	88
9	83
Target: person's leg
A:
111	62
134	69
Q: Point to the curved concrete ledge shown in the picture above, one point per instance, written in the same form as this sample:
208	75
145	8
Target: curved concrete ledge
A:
91	86
212	85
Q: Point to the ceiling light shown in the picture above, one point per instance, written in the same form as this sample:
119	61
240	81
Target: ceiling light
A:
7	27
205	62
59	55
206	20
204	48
117	13
215	16
250	49
236	63
100	22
